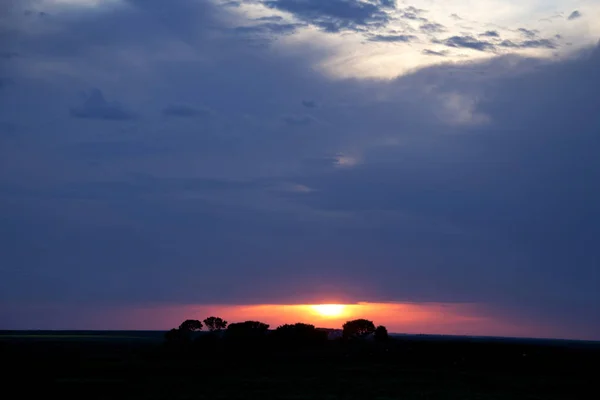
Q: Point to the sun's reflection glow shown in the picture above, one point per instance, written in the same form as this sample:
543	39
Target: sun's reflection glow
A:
329	310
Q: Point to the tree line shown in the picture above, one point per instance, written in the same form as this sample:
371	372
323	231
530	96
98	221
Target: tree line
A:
248	330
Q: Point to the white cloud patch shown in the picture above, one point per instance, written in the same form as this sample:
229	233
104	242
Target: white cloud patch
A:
461	109
369	25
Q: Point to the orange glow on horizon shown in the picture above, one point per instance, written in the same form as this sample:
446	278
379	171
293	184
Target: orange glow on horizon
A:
410	318
397	317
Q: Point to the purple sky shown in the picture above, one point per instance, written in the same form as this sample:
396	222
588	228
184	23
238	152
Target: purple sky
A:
156	153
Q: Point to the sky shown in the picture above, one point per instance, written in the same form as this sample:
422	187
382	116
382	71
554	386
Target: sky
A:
431	163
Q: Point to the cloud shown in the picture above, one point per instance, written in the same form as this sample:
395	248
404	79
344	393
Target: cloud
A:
529	44
269	27
432	28
271	18
467	42
337	15
459	182
493	34
429	52
96	107
528	32
412	16
309	103
392	38
32	13
574	15
183	110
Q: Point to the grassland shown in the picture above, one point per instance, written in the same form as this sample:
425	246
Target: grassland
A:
133	365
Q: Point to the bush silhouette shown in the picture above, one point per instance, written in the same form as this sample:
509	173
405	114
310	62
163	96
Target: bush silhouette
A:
381	334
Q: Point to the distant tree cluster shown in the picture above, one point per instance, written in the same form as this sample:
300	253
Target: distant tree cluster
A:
187	327
358	329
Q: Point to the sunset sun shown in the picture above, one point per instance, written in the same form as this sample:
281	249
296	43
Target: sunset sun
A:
329	310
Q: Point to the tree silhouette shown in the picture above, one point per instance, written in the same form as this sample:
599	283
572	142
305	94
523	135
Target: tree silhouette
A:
247	330
381	334
298	333
358	328
215	323
190	325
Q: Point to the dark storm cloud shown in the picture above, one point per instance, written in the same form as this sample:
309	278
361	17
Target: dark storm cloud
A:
574	15
337	15
467	42
407	194
392	38
95	106
532	168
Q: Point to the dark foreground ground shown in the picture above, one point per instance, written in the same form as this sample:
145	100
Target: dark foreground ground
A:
139	367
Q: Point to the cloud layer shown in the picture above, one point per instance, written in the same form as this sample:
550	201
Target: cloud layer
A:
180	159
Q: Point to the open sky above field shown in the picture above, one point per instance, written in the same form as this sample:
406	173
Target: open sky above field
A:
435	161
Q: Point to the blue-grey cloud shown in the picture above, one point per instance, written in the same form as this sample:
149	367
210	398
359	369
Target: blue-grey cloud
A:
574	15
32	13
529	44
337	15
96	107
392	38
309	103
271	18
467	42
432	28
493	34
413	16
269	27
430	52
528	32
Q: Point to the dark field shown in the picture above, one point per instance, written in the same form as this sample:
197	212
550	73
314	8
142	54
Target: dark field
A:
136	365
